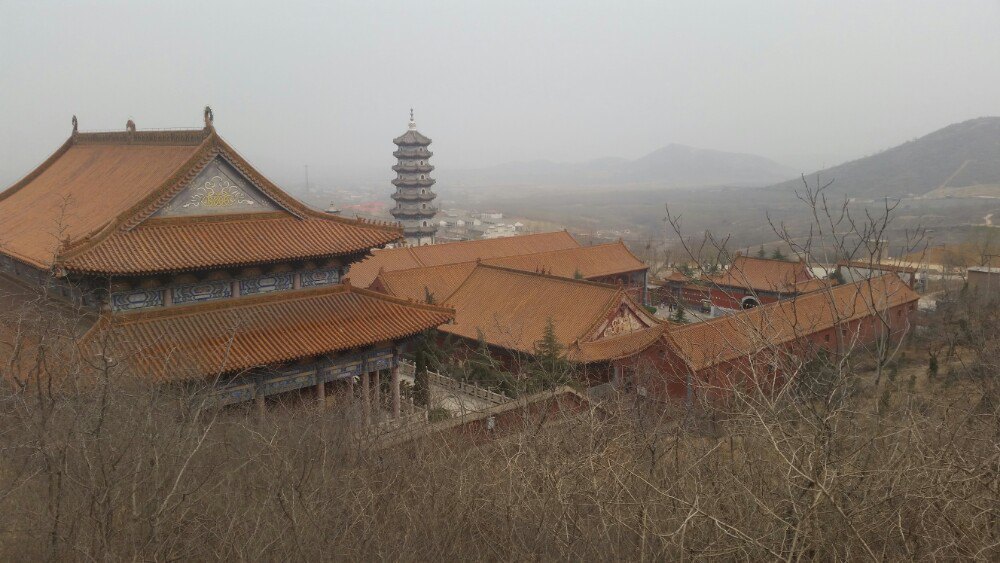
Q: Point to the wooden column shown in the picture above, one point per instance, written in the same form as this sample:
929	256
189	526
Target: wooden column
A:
320	390
395	384
378	394
366	406
259	401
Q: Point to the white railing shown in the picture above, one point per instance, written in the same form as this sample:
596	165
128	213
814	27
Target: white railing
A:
408	368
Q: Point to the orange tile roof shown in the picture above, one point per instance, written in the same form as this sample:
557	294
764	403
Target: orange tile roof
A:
91	203
747	332
416	283
616	347
441	281
510	309
589	261
363	273
762	274
160	245
231	335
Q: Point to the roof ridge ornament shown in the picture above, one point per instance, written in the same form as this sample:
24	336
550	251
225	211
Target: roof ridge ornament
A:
76	127
209	117
413	124
130	126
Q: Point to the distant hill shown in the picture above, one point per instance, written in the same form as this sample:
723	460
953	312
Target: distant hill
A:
673	166
962	159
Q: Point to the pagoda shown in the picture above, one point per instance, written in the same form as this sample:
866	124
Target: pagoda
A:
414	198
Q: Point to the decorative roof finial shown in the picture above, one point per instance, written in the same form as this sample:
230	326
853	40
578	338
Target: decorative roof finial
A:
413	124
75	128
130	126
209	117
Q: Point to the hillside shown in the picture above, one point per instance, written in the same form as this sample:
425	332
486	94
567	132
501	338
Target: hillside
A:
673	166
962	159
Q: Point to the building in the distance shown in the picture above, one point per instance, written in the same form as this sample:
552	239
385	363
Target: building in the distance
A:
984	280
414	197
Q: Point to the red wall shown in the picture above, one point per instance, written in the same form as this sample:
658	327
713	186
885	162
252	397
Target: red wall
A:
665	376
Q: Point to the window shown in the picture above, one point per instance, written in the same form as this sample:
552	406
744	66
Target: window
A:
826	338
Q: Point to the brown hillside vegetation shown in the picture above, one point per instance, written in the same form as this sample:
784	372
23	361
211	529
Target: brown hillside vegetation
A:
830	468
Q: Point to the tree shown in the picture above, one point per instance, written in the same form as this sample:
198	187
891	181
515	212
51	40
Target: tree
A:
577	274
776	254
550	367
760	252
679	315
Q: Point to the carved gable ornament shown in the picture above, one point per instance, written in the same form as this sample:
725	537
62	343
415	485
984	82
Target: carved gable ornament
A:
218	189
624	322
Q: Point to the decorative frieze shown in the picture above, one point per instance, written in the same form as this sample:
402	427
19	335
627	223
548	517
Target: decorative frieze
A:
265	284
139	299
314	278
205	291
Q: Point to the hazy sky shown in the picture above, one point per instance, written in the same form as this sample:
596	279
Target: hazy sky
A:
330	83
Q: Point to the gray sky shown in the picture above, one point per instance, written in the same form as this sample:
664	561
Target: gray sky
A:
330	83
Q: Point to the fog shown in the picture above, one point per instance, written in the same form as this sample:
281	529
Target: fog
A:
329	84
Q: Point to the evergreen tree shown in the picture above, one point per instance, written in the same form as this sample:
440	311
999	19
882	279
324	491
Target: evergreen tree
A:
550	367
481	369
578	275
760	252
679	315
777	255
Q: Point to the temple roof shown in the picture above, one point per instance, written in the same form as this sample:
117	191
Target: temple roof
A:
412	137
746	332
231	335
589	261
510	309
363	273
762	274
89	208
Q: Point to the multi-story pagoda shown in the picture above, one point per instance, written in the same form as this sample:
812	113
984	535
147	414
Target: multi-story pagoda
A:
185	264
414	196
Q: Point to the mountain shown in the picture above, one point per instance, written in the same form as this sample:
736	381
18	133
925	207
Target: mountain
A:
962	159
673	166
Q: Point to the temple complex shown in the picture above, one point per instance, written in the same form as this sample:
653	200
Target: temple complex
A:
196	268
414	197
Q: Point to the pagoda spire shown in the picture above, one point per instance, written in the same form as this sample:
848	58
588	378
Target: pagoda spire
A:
414	198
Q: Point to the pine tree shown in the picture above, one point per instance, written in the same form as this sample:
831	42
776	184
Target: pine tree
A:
550	367
578	275
777	255
760	252
679	316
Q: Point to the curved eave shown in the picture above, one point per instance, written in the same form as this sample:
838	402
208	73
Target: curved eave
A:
413	153
413	183
413	168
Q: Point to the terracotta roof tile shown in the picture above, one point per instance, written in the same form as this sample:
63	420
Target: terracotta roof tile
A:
589	261
616	347
231	335
162	245
363	273
762	274
101	188
511	308
441	281
746	332
416	283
